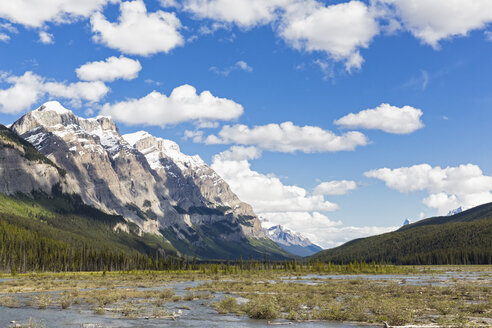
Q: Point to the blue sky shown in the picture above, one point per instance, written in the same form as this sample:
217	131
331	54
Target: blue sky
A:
421	68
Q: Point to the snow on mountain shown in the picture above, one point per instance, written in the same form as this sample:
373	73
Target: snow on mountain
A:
407	222
292	241
455	211
190	181
145	179
53	106
158	148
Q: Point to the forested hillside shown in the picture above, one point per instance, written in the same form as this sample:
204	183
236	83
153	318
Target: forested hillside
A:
464	238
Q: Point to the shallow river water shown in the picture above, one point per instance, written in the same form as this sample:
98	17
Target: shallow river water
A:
197	313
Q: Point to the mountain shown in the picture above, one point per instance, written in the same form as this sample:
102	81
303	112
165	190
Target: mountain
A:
463	238
407	222
292	242
147	181
41	227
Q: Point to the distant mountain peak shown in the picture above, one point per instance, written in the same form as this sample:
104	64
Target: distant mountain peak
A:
291	241
455	211
407	222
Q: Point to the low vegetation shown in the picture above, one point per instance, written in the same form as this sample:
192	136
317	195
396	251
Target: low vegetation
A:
288	294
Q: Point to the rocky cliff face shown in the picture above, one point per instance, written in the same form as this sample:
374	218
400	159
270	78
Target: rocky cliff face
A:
22	172
145	179
193	184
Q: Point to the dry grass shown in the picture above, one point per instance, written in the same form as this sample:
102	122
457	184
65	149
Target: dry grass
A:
146	294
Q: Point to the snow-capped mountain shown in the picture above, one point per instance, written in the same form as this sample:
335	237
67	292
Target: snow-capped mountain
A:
145	179
407	222
455	211
292	241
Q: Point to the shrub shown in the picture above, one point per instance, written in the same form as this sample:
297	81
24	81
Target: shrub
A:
263	308
227	305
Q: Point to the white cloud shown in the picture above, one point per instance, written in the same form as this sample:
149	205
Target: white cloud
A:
341	187
432	21
266	193
170	3
240	65
244	13
291	206
239	153
90	91
338	30
109	70
196	136
287	137
138	32
320	229
4	37
46	38
448	188
385	117
244	66
184	104
29	88
35	13
9	27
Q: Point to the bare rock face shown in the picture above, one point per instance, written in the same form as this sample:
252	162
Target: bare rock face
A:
145	179
193	184
19	173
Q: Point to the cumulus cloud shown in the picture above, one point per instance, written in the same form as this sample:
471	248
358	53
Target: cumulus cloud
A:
239	153
184	104
46	38
266	193
287	137
33	13
432	21
341	187
170	3
448	188
320	229
291	206
138	32
385	117
244	13
109	70
240	65
26	90
338	30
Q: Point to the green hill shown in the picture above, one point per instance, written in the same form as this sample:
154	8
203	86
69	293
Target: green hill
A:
464	238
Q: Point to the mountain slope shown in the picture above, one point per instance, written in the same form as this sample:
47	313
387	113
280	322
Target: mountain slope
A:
464	238
149	183
41	227
291	241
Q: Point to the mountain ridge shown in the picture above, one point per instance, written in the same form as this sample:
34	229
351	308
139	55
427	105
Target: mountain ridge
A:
463	238
291	241
172	199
